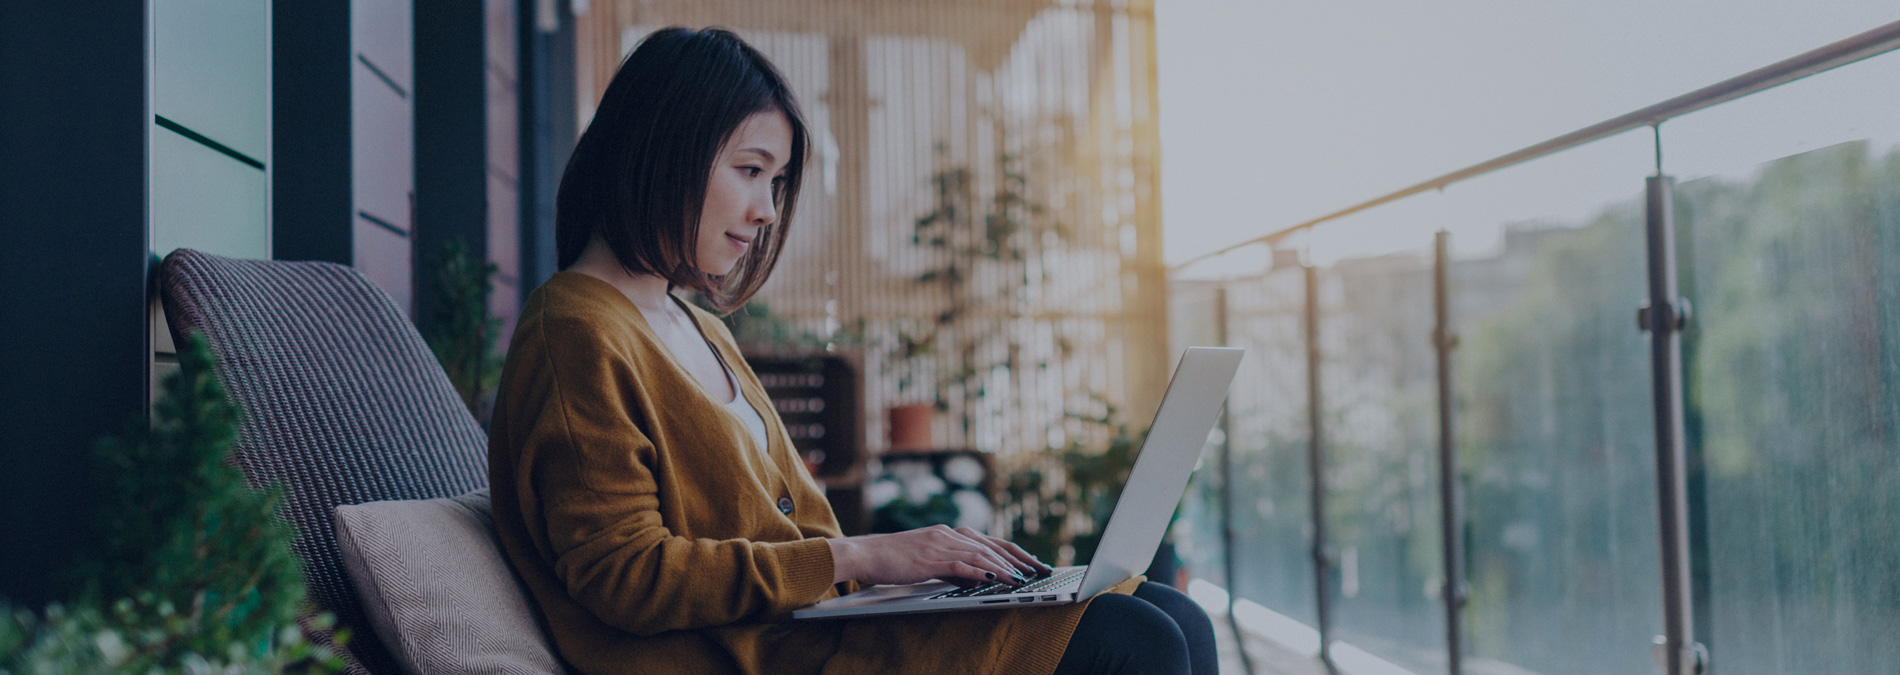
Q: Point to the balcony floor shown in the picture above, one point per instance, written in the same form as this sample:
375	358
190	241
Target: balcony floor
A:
1272	644
1269	657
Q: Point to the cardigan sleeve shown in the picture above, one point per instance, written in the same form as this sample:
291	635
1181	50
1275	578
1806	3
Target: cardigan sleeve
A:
589	465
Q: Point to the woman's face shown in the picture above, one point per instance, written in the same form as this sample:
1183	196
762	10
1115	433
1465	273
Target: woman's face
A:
739	194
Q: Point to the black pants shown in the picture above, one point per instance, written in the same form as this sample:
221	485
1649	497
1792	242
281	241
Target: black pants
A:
1156	631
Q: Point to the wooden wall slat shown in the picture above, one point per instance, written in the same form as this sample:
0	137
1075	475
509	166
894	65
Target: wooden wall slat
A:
1064	88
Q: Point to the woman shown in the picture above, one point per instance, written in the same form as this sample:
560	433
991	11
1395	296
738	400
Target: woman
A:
643	485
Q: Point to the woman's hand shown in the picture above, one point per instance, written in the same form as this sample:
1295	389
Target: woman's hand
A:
935	552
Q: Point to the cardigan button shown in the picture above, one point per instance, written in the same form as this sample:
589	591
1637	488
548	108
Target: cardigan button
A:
785	505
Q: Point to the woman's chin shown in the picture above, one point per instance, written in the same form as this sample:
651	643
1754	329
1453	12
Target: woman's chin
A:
719	268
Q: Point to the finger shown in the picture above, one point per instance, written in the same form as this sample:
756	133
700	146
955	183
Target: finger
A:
963	539
980	553
1010	553
994	567
954	570
1027	563
1035	564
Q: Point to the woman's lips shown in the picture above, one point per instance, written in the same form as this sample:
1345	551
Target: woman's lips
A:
740	243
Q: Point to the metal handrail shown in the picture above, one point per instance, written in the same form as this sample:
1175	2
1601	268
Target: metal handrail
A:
1865	45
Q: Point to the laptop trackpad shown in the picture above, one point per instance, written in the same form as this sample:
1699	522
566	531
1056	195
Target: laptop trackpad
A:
877	595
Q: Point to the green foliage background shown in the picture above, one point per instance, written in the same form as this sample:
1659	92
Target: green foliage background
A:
1063	496
1790	365
193	570
457	326
1792	378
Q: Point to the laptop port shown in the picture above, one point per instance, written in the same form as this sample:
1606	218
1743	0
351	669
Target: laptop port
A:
992	602
1048	598
1028	599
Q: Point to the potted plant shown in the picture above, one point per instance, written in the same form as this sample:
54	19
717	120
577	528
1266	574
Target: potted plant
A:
970	335
912	352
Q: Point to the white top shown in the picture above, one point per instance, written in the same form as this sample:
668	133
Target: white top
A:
739	406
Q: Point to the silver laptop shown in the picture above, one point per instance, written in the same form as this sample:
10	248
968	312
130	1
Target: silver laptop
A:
1154	487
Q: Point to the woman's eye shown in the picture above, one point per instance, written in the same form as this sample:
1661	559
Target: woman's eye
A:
752	171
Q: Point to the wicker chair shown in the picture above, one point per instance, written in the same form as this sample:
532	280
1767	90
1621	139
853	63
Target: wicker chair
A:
342	404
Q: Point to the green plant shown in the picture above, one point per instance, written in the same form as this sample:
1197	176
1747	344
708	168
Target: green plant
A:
759	330
192	571
963	344
1048	515
1037	517
457	326
911	352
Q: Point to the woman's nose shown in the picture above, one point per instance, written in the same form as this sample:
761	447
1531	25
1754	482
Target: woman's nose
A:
763	210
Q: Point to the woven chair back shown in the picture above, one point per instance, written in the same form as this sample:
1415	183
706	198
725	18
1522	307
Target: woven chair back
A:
342	403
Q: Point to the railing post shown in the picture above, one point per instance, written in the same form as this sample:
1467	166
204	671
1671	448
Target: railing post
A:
1664	317
1322	560
1226	471
1451	498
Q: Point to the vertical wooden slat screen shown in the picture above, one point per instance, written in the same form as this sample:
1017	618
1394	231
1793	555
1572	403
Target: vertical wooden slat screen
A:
899	91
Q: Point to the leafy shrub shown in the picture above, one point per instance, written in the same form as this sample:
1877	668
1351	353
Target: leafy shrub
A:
192	572
456	324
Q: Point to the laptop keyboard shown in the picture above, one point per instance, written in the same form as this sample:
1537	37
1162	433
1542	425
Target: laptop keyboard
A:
1044	584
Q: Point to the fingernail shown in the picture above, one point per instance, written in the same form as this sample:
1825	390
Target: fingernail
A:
991	575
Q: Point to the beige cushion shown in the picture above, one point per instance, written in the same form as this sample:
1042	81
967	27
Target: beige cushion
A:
432	577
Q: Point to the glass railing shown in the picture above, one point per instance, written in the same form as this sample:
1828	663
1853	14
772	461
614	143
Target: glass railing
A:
1266	436
1786	226
1790	251
1379	432
1553	419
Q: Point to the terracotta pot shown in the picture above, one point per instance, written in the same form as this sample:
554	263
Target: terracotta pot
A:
910	426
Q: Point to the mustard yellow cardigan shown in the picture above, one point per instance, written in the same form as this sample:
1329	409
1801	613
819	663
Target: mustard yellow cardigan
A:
646	522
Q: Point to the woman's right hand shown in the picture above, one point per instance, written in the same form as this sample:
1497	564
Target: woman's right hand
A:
935	552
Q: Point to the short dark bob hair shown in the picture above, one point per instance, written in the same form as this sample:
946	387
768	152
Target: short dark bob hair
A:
638	175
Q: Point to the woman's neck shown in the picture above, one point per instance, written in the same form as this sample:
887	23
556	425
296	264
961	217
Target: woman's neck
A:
646	291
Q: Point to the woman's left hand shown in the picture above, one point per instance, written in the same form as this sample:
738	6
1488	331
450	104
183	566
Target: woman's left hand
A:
1007	550
961	555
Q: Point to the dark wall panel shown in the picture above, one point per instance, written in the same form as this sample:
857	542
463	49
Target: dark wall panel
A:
548	133
74	344
451	134
311	198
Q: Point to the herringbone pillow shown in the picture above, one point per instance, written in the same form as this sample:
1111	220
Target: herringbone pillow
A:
431	576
